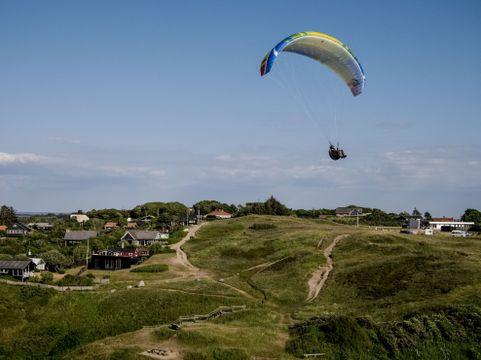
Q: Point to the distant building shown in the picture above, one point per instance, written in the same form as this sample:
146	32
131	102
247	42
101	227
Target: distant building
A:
39	264
40	226
414	224
117	258
74	237
110	226
142	237
17	230
131	225
19	269
348	211
219	214
449	224
146	219
443	219
81	218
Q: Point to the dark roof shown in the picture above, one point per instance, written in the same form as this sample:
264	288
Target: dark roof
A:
19	225
79	235
14	264
143	234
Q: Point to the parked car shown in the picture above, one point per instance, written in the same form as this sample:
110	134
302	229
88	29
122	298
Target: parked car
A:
459	233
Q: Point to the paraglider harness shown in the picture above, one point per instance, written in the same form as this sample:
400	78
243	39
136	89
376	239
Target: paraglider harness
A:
335	153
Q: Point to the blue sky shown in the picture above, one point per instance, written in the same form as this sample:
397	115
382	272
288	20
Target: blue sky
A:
114	103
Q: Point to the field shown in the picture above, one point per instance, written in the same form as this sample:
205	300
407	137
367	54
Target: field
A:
388	296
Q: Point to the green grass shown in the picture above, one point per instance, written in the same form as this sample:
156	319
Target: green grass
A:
389	296
230	248
36	323
156	268
451	332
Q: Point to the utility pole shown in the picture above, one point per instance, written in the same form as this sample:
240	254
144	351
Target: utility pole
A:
87	256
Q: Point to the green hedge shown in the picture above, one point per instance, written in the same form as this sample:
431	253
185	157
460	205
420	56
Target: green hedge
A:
151	268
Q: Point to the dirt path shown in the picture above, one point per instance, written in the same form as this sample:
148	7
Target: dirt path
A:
181	256
319	277
193	271
266	265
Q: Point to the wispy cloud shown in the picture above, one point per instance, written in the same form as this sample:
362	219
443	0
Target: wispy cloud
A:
63	140
20	158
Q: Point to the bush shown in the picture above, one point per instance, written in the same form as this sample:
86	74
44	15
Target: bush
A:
151	268
218	354
160	249
262	226
46	277
449	329
75	280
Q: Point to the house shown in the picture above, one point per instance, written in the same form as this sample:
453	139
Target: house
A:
110	226
39	264
348	211
3	228
414	224
219	214
81	218
146	219
131	225
141	237
449	224
117	258
17	229
40	226
18	269
74	237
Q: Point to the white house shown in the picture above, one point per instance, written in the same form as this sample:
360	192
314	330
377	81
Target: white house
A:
450	223
79	217
39	264
141	237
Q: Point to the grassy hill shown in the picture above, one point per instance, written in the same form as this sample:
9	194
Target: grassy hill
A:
388	296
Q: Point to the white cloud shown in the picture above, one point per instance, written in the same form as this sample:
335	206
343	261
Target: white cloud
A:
20	158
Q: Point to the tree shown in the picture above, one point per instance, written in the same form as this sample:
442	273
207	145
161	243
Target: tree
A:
427	216
55	260
473	215
416	213
7	215
269	207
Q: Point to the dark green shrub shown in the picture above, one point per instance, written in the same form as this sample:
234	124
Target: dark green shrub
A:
75	280
257	226
151	268
160	249
46	277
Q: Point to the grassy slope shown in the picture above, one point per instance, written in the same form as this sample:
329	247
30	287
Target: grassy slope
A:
231	248
381	282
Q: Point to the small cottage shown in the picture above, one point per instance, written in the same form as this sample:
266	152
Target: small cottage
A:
19	269
141	237
75	237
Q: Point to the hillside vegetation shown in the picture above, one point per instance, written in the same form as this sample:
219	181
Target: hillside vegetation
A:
388	296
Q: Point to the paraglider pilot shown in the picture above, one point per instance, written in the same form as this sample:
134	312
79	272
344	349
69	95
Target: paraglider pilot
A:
335	153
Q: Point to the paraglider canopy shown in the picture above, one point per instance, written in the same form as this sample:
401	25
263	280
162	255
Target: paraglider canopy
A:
325	49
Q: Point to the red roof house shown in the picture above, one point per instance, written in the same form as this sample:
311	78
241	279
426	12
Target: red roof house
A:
219	214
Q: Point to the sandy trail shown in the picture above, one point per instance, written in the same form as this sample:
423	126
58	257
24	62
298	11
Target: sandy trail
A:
319	277
193	271
181	256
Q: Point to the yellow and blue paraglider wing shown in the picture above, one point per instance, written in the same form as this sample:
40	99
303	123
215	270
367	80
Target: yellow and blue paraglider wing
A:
325	49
